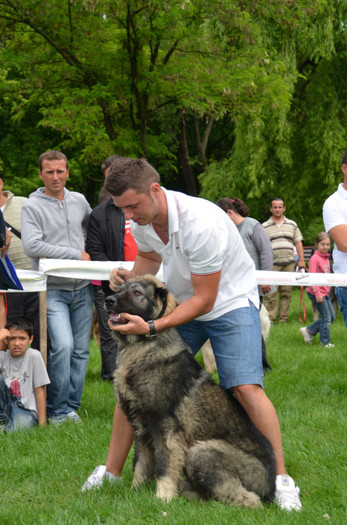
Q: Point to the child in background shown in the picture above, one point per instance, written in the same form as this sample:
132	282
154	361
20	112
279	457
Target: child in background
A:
319	295
23	378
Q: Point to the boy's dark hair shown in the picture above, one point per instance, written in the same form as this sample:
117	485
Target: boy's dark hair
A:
20	323
127	173
236	205
52	155
344	158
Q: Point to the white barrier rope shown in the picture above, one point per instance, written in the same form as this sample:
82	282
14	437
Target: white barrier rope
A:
100	271
301	279
31	281
91	270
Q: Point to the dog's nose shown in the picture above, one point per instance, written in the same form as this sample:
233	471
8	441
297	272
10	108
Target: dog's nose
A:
110	301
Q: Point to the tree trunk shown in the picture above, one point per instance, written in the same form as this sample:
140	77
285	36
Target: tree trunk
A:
201	145
188	175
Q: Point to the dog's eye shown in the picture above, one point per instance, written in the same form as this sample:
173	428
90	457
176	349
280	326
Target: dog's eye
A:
137	293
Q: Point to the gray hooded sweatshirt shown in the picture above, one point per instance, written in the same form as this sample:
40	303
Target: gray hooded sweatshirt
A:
56	230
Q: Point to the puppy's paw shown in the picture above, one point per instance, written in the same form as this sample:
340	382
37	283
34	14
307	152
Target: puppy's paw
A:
166	489
138	479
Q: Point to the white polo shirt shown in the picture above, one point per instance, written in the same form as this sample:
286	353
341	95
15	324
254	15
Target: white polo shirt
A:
335	214
202	241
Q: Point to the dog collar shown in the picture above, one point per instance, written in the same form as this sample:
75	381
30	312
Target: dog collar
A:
152	330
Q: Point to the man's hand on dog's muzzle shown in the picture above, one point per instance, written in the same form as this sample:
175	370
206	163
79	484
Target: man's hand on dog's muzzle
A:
135	325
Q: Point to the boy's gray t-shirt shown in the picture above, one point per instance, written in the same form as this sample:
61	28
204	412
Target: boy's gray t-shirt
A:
23	374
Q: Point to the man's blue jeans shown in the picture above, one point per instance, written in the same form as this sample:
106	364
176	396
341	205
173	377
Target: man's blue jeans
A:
69	320
327	316
341	294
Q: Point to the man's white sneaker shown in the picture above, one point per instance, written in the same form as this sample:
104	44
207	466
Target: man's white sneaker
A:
287	494
307	337
97	478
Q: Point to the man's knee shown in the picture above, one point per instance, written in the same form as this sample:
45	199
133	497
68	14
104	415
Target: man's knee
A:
248	394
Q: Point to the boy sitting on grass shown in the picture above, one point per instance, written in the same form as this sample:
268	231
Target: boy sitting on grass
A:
23	378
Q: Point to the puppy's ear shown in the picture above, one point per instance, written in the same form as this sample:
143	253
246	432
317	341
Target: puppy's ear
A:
168	300
162	293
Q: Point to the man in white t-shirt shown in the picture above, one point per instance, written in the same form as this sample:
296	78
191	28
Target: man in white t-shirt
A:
207	267
335	222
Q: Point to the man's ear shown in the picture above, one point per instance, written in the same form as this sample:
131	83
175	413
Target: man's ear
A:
154	188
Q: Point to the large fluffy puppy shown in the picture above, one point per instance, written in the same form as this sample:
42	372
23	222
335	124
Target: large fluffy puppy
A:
184	423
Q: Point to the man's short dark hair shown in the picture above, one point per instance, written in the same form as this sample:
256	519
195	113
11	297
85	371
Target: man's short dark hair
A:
52	155
20	323
109	161
344	158
127	173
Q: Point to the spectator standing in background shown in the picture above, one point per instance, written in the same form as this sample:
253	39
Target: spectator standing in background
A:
54	222
319	295
109	238
27	305
284	235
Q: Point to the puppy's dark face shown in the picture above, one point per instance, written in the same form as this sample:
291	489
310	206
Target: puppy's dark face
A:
138	297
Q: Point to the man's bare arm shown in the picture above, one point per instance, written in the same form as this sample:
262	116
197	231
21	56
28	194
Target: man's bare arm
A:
300	249
205	289
146	263
339	236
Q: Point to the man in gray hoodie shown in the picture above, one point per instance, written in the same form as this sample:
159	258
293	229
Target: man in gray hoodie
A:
54	221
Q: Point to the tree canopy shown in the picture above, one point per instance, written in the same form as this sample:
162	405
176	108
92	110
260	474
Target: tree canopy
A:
224	98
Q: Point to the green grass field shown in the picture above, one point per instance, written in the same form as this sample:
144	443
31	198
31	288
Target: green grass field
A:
42	470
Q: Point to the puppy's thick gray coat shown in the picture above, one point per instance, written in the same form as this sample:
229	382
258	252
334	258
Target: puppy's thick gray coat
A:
185	424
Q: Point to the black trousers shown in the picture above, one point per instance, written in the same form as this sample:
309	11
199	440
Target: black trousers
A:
108	345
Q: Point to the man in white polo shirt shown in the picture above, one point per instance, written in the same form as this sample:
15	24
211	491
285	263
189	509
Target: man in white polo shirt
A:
207	267
335	222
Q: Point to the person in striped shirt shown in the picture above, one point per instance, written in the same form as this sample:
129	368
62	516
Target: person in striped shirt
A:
284	235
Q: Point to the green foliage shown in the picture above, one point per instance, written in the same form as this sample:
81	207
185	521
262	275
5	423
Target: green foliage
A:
103	77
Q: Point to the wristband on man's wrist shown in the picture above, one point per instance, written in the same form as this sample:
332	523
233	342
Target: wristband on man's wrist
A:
152	329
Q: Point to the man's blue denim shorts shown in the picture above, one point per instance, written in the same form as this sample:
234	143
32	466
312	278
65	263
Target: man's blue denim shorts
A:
236	342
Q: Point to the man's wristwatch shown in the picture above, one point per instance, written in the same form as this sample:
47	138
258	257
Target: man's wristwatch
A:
152	330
